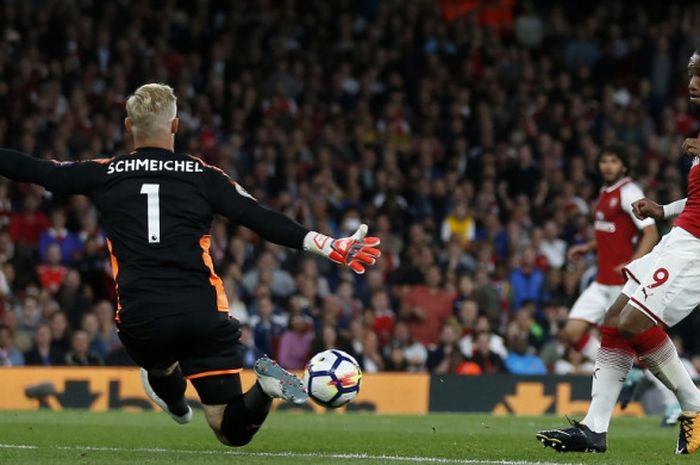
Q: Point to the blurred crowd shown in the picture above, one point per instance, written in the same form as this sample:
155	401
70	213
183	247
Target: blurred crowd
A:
463	132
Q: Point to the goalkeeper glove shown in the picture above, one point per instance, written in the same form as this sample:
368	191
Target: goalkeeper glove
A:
356	251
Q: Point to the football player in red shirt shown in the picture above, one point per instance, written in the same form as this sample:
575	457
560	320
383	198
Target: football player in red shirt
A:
662	289
617	241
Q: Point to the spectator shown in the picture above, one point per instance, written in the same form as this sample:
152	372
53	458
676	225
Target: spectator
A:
72	297
526	280
446	357
496	344
383	317
268	272
467	314
295	343
489	361
29	315
68	243
396	359
91	325
459	224
21	340
9	355
370	357
106	337
521	360
426	308
60	334
552	247
250	352
267	329
52	274
80	353
326	338
415	355
27	226
573	363
44	353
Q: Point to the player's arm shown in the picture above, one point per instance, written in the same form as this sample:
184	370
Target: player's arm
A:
646	208
649	238
231	200
581	249
634	203
64	177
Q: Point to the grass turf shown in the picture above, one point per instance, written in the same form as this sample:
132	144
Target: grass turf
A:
81	437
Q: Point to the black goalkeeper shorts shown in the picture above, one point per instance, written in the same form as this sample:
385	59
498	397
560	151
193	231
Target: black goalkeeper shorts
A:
204	343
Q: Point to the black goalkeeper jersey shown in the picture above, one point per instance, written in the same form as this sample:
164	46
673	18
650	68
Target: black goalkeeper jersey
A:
156	208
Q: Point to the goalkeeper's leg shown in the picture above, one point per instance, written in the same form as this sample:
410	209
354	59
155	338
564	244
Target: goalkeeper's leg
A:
236	417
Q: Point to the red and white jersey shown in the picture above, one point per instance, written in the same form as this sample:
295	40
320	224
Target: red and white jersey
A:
616	229
689	219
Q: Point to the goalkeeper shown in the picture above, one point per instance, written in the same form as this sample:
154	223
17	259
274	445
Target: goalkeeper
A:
156	207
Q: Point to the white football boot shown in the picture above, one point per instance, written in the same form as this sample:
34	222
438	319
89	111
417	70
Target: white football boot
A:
182	419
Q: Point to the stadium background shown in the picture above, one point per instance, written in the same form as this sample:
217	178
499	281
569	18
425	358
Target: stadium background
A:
464	133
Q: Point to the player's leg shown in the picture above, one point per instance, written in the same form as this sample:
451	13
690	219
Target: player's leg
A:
213	364
615	357
612	364
235	417
614	360
667	294
166	387
657	351
160	374
578	335
672	408
587	312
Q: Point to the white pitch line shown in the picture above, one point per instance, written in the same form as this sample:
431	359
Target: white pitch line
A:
391	458
17	446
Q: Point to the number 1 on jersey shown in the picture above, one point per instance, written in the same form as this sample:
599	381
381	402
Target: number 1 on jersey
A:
153	211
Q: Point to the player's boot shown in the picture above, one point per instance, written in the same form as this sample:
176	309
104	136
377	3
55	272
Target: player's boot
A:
689	433
182	419
278	383
577	438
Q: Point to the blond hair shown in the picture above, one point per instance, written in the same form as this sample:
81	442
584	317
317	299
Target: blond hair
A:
151	109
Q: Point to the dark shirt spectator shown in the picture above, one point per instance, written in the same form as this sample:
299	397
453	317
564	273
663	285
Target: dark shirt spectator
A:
80	353
43	353
489	361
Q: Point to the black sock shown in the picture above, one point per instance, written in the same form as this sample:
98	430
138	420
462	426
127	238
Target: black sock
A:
244	416
171	389
256	400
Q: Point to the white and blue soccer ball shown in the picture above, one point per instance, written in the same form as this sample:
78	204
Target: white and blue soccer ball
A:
332	378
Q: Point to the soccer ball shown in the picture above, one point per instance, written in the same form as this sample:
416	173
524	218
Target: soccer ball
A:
332	378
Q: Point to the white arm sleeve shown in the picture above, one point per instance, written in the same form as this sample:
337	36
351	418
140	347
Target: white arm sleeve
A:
674	208
630	193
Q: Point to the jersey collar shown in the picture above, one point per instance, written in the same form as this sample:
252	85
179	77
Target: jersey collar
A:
151	149
619	183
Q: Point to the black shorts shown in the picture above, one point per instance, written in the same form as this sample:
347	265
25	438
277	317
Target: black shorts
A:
204	343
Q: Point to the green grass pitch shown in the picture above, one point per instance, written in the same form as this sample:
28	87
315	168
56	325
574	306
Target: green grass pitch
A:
82	437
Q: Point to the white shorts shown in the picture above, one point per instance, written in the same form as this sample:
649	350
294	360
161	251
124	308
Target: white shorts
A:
665	283
592	304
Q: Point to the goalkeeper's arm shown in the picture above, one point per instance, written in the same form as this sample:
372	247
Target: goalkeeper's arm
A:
232	201
356	251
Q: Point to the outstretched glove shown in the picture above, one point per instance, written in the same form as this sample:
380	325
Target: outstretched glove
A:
356	251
